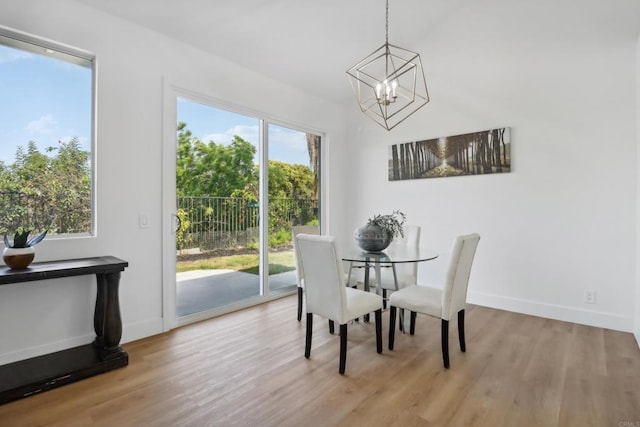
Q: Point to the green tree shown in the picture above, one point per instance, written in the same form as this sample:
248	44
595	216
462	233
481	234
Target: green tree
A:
37	186
185	161
70	187
290	181
225	168
218	170
291	187
313	147
211	169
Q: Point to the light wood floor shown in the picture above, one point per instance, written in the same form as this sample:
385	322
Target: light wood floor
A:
248	368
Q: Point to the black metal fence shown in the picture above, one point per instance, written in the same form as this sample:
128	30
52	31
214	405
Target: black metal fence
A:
210	223
59	214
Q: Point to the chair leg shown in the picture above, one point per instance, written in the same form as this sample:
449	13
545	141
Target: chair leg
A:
299	303
401	320
463	346
331	327
307	344
392	325
412	324
384	299
445	343
379	331
343	348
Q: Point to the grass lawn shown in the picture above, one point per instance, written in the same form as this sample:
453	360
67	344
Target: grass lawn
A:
279	262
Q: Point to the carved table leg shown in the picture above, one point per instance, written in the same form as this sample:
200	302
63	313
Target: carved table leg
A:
100	310
112	320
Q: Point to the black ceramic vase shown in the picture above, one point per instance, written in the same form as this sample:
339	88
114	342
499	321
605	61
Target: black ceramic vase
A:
372	238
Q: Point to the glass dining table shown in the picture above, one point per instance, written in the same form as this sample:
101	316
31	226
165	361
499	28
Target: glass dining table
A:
390	257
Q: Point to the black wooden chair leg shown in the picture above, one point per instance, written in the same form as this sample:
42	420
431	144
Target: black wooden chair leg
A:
401	320
299	303
463	346
307	344
412	324
384	299
343	348
445	343
379	331
392	326
331	327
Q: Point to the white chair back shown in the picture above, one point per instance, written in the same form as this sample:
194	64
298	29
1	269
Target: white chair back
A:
323	277
454	295
411	238
406	273
295	230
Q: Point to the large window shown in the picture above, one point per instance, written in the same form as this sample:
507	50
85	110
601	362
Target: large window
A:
46	135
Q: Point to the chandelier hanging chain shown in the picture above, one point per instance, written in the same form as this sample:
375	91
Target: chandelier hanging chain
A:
386	39
385	90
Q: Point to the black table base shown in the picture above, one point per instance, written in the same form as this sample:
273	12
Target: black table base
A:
27	377
42	373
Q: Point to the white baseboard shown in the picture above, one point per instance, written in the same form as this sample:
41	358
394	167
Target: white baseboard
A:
139	330
553	311
30	352
131	332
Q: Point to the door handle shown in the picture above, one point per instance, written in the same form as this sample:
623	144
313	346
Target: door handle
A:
177	223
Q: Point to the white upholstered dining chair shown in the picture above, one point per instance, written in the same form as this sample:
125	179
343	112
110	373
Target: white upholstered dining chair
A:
327	295
440	302
295	230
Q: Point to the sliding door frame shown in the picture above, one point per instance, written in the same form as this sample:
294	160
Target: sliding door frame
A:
170	96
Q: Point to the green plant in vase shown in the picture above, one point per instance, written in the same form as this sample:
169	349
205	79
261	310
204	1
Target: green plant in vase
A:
380	230
393	223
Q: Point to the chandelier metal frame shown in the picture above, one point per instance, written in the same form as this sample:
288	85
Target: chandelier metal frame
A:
389	83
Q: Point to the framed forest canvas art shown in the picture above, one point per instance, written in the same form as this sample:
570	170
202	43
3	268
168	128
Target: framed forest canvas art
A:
473	153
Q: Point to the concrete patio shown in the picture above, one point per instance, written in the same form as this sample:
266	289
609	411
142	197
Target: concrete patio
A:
201	290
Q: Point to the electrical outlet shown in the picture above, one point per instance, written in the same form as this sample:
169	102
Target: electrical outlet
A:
589	296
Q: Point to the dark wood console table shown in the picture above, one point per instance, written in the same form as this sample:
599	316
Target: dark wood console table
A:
41	373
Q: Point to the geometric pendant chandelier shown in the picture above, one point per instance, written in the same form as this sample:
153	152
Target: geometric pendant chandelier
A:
389	83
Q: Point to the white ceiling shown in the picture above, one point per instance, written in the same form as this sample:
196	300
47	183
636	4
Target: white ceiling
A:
309	44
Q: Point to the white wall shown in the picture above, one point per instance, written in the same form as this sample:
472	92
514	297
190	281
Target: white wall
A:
564	220
637	320
39	317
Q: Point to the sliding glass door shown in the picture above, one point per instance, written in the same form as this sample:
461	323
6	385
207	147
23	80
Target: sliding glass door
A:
292	197
241	184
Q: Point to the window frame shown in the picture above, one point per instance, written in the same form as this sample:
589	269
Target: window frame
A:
40	46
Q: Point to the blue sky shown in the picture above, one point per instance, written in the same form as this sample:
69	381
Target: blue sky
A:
42	99
46	100
212	124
